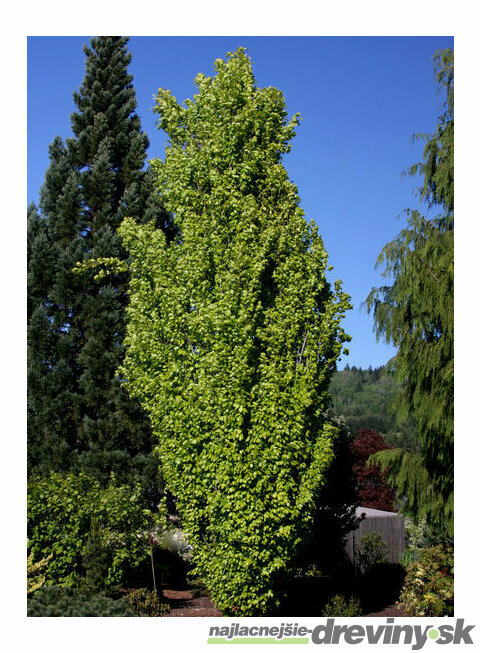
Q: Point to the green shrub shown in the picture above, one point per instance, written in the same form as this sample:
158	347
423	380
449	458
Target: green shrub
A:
146	603
416	536
419	535
61	510
408	557
95	559
35	575
54	601
198	588
339	606
428	587
311	571
372	550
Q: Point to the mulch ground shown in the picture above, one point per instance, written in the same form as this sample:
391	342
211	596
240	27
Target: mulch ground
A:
389	611
183	604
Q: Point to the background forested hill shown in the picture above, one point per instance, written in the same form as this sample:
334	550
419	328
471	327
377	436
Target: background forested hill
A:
364	398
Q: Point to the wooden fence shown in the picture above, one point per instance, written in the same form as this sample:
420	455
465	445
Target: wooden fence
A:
389	524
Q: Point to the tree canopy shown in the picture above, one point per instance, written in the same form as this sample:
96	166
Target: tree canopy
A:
80	416
415	313
373	488
363	397
233	334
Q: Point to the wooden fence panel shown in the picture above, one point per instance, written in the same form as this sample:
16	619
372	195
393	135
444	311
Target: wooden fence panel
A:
392	528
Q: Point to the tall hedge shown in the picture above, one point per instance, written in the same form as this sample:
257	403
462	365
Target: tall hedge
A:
233	333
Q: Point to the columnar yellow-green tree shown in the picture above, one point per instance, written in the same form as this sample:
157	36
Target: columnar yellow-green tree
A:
233	334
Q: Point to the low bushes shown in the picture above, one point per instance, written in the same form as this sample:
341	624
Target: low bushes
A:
145	603
35	573
372	550
380	581
339	606
428	588
84	525
57	601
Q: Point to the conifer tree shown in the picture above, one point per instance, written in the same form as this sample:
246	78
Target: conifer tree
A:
79	413
415	314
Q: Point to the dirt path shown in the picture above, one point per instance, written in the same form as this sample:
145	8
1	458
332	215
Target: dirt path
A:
390	611
183	604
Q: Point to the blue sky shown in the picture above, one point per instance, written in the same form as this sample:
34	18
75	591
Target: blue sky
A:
361	99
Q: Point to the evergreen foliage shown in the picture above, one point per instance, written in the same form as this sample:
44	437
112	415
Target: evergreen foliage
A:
80	416
364	398
418	497
233	335
53	601
95	558
415	313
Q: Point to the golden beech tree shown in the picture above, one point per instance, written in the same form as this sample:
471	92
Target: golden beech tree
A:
233	333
